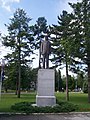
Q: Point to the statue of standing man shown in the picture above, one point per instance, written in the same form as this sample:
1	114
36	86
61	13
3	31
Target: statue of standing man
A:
45	52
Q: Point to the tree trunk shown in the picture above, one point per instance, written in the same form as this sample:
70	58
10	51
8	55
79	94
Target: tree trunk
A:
19	81
88	67
16	87
67	93
19	69
89	82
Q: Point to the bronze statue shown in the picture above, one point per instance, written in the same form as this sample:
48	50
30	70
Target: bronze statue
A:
45	52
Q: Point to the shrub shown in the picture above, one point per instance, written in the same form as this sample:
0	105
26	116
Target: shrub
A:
28	108
67	106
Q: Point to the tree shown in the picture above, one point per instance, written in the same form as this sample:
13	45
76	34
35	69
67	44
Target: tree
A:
34	77
60	44
80	79
85	86
71	82
56	80
20	40
81	35
28	77
59	81
11	76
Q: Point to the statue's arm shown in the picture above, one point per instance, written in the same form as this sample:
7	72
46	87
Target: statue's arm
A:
41	48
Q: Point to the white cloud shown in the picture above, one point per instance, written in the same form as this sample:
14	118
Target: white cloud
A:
6	4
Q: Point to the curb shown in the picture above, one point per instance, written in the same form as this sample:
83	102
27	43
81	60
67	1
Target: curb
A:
70	113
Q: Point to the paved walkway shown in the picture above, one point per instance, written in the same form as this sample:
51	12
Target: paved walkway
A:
63	116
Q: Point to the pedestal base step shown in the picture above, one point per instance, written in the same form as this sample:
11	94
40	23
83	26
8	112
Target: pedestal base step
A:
45	100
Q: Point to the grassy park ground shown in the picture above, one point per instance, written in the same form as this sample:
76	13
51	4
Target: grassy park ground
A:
9	99
77	98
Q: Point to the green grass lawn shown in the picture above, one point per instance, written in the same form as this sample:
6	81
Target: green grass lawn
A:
80	99
7	100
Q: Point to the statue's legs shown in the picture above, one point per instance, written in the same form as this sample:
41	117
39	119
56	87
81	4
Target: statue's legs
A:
47	61
43	61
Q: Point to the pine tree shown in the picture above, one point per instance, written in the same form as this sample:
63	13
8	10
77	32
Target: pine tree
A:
60	44
81	35
20	40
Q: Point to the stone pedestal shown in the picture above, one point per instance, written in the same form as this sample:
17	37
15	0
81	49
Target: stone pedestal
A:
46	88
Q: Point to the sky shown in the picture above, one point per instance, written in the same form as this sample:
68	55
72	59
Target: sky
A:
49	9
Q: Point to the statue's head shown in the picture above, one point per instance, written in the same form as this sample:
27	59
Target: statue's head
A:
46	37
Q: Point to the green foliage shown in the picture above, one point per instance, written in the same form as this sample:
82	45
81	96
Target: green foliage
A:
11	73
60	41
81	35
61	46
20	37
71	82
20	40
80	79
28	108
28	77
67	106
39	29
58	81
85	86
72	40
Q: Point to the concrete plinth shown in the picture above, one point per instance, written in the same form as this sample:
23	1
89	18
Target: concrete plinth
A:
46	88
45	100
